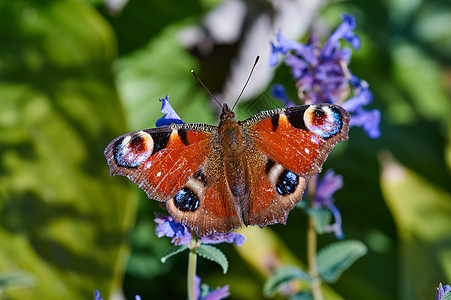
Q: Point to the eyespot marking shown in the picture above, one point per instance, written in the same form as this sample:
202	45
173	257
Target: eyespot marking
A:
186	200
324	121
287	183
132	150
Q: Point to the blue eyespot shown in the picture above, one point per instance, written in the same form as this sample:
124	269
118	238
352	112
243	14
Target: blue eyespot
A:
186	200
287	183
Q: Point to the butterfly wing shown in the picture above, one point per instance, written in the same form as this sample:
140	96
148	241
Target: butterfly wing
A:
217	211
288	147
177	165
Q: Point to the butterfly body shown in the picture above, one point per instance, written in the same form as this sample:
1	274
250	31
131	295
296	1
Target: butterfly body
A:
213	179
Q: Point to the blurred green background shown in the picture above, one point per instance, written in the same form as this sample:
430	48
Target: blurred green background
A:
74	74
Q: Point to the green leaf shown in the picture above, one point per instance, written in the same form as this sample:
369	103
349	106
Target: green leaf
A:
335	258
282	276
321	218
302	296
447	296
213	254
173	251
263	244
421	211
63	219
15	280
152	73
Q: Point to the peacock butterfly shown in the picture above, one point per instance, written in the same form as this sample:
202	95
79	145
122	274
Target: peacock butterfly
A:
213	178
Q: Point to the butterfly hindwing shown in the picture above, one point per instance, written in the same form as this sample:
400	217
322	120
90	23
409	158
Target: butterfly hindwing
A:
293	143
215	209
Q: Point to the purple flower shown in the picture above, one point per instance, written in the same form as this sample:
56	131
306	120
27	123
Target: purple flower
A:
167	227
137	297
344	31
325	188
220	293
368	120
170	116
322	74
181	235
97	295
231	237
442	290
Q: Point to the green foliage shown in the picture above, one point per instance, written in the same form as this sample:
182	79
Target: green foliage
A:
447	296
15	280
302	296
321	218
335	258
283	276
213	254
422	214
173	251
63	219
152	73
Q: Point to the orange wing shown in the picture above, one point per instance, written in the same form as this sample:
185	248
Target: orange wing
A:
160	160
177	165
288	147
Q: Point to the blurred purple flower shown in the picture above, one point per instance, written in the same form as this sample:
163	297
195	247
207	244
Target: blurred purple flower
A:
322	74
325	189
181	235
97	295
170	116
220	293
368	120
278	91
442	290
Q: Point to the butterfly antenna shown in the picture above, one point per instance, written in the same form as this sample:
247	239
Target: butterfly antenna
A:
248	78
198	79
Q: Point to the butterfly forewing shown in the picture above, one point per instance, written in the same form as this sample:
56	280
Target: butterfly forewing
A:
299	138
160	160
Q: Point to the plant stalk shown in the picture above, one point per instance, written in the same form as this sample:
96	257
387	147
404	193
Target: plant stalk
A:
192	261
311	254
312	245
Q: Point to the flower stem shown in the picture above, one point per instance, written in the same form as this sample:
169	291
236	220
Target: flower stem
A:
312	245
311	254
192	261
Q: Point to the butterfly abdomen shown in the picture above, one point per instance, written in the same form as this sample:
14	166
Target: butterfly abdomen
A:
233	143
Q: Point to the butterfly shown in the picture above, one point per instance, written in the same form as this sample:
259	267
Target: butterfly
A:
214	178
